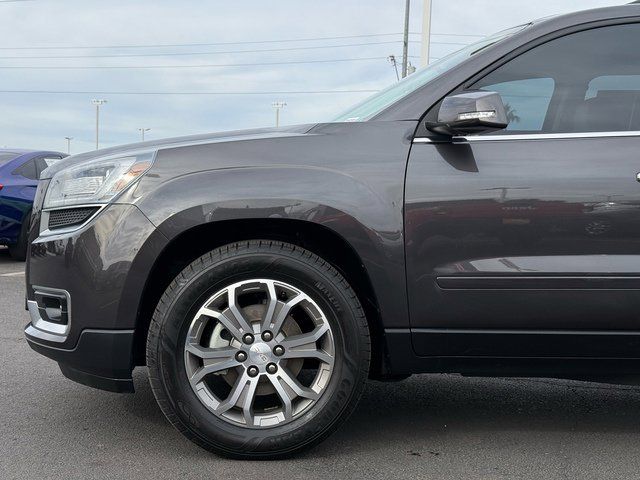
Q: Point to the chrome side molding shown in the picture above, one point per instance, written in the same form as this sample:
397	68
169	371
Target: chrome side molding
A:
527	136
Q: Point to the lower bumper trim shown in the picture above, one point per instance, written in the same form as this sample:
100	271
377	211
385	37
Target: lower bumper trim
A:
101	358
117	385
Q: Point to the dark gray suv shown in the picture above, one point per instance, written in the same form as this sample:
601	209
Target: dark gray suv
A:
480	217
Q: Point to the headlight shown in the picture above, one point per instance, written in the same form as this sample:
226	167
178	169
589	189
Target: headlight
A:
96	181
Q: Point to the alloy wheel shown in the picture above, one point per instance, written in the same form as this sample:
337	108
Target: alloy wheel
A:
259	353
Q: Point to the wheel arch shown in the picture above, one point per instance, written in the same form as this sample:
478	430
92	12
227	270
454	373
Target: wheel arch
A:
321	240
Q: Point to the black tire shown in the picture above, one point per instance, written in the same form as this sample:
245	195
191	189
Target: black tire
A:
19	250
234	263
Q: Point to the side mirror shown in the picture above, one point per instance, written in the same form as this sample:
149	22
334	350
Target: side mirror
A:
470	112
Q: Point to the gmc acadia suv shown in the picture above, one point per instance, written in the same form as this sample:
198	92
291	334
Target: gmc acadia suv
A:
481	217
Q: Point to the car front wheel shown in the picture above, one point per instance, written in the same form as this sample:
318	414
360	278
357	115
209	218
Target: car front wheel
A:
258	349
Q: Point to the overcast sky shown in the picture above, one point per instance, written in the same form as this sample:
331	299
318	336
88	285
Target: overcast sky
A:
42	120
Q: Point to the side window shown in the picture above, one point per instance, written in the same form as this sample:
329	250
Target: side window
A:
613	83
615	102
526	102
583	82
27	170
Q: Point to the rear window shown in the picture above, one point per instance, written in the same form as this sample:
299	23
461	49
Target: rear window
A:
6	157
27	170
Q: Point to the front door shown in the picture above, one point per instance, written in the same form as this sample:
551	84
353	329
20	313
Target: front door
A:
527	243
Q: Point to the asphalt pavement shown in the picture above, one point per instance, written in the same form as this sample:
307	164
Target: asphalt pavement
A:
426	427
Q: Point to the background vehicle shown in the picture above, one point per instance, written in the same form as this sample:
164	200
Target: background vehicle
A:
475	218
19	172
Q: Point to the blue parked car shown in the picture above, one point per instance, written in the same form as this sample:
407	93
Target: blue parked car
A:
19	172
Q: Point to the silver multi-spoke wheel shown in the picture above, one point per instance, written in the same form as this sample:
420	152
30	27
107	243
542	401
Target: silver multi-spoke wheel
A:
263	367
259	353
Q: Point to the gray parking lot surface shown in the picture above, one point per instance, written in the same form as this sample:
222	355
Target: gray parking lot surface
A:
429	426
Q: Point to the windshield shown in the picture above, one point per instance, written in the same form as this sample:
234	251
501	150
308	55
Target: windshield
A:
381	100
6	157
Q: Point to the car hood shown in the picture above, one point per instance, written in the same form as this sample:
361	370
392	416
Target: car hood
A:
155	145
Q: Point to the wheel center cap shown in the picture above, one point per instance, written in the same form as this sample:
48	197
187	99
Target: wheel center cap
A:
260	353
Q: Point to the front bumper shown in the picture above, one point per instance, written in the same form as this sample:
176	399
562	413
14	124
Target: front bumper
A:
83	295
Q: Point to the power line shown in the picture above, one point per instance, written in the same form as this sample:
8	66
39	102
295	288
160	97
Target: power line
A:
93	92
217	65
130	55
452	34
444	43
215	44
457	35
174	54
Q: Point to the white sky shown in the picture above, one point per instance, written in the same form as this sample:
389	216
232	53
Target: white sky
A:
43	120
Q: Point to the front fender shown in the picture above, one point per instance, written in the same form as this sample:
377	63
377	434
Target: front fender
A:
369	222
347	177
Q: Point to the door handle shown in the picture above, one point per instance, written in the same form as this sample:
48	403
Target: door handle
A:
638	176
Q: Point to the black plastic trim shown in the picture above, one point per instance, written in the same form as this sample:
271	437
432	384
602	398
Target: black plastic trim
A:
70	217
539	282
527	343
603	369
101	359
116	385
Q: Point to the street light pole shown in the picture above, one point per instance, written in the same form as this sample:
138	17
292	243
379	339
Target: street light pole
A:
426	33
98	103
142	132
68	139
405	40
278	106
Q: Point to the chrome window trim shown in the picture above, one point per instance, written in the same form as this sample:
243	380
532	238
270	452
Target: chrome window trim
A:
44	219
527	136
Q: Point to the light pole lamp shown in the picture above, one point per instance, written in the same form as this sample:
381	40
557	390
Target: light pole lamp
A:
392	61
98	104
68	139
143	131
278	106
